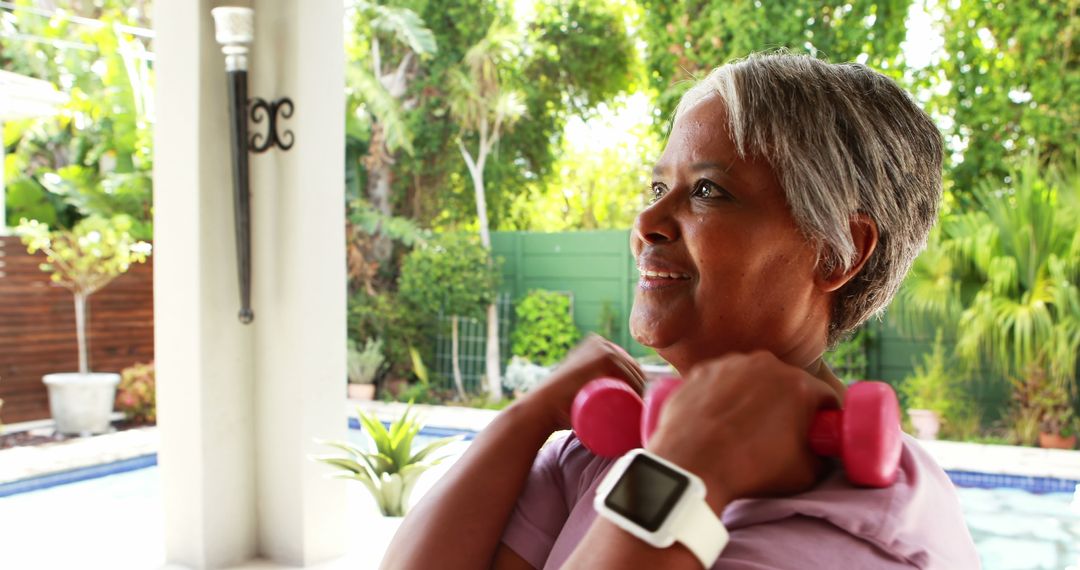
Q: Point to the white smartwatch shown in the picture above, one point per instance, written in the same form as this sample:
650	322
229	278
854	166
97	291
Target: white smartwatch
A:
660	503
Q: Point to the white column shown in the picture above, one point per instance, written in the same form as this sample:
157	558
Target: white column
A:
238	406
298	200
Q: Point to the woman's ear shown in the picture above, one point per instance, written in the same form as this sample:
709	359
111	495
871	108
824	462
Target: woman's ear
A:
864	234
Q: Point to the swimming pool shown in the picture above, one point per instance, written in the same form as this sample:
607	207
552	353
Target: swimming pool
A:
118	518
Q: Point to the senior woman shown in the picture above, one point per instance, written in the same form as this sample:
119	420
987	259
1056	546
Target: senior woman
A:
789	202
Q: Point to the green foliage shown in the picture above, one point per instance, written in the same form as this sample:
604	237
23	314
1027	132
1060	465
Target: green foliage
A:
608	325
593	186
689	39
544	331
386	316
1007	83
136	394
928	388
1002	279
1041	405
454	275
938	385
390	471
95	156
364	364
88	257
848	359
555	69
420	393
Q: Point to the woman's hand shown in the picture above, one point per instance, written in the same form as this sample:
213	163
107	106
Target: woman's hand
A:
741	424
595	357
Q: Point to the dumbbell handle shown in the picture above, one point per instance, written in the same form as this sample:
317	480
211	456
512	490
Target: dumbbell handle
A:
825	429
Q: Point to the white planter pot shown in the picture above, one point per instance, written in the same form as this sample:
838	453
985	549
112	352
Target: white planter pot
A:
81	403
926	423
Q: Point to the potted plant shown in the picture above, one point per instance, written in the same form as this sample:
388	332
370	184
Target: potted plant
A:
363	365
391	469
83	260
928	392
1043	411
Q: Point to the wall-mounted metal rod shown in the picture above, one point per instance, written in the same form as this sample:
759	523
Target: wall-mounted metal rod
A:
238	119
235	32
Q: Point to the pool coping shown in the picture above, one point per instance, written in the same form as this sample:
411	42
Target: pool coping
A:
33	467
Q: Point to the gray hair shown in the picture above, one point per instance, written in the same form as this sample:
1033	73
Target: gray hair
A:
842	139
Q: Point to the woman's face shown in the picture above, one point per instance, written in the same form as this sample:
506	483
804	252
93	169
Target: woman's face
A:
723	266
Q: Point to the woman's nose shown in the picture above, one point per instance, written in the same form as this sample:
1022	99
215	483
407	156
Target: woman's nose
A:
656	224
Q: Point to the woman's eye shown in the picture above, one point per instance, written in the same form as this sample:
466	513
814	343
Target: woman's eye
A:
656	191
706	189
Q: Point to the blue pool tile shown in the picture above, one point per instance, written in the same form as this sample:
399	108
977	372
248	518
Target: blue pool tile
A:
1036	485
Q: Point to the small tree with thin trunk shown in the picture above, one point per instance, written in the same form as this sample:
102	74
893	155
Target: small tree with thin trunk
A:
84	260
480	104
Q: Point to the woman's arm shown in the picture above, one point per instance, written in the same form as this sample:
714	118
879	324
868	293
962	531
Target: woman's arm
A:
459	523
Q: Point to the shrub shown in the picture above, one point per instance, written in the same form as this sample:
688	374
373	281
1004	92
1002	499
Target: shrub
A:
544	331
135	395
938	384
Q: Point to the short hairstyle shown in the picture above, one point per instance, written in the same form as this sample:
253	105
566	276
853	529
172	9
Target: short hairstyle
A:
842	139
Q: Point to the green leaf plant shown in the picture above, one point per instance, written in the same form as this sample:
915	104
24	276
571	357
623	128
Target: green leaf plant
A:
391	471
1001	278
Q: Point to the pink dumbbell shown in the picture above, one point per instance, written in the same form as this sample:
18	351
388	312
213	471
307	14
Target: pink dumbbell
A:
611	419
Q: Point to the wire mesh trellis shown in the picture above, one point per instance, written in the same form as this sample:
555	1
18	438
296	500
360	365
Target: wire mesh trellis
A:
472	346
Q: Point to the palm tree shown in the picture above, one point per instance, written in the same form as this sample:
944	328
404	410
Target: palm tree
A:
380	91
1003	277
481	105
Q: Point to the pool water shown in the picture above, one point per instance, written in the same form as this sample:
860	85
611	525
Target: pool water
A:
1014	529
116	522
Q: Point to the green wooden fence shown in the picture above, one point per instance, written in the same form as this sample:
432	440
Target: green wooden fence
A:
596	267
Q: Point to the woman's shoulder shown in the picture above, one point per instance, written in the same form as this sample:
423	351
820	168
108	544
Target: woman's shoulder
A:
565	457
917	520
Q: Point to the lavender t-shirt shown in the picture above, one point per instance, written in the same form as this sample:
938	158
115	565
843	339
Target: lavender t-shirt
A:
916	523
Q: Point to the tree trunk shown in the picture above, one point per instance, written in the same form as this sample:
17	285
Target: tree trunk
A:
458	383
80	332
492	368
494	372
380	176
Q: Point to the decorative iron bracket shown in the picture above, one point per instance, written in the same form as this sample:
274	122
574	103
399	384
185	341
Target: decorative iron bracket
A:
270	109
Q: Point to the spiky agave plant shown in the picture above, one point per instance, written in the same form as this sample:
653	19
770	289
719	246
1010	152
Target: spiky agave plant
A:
391	470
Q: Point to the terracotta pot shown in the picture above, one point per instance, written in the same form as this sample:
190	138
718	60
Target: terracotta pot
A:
361	391
1056	441
926	423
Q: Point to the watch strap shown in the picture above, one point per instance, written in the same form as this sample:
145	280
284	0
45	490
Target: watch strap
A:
702	533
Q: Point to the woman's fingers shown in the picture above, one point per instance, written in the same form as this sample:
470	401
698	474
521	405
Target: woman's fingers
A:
594	357
741	423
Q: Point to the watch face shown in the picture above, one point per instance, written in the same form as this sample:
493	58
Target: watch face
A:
646	492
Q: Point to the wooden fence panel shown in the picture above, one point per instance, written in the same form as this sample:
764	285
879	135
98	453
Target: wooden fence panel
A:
37	328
